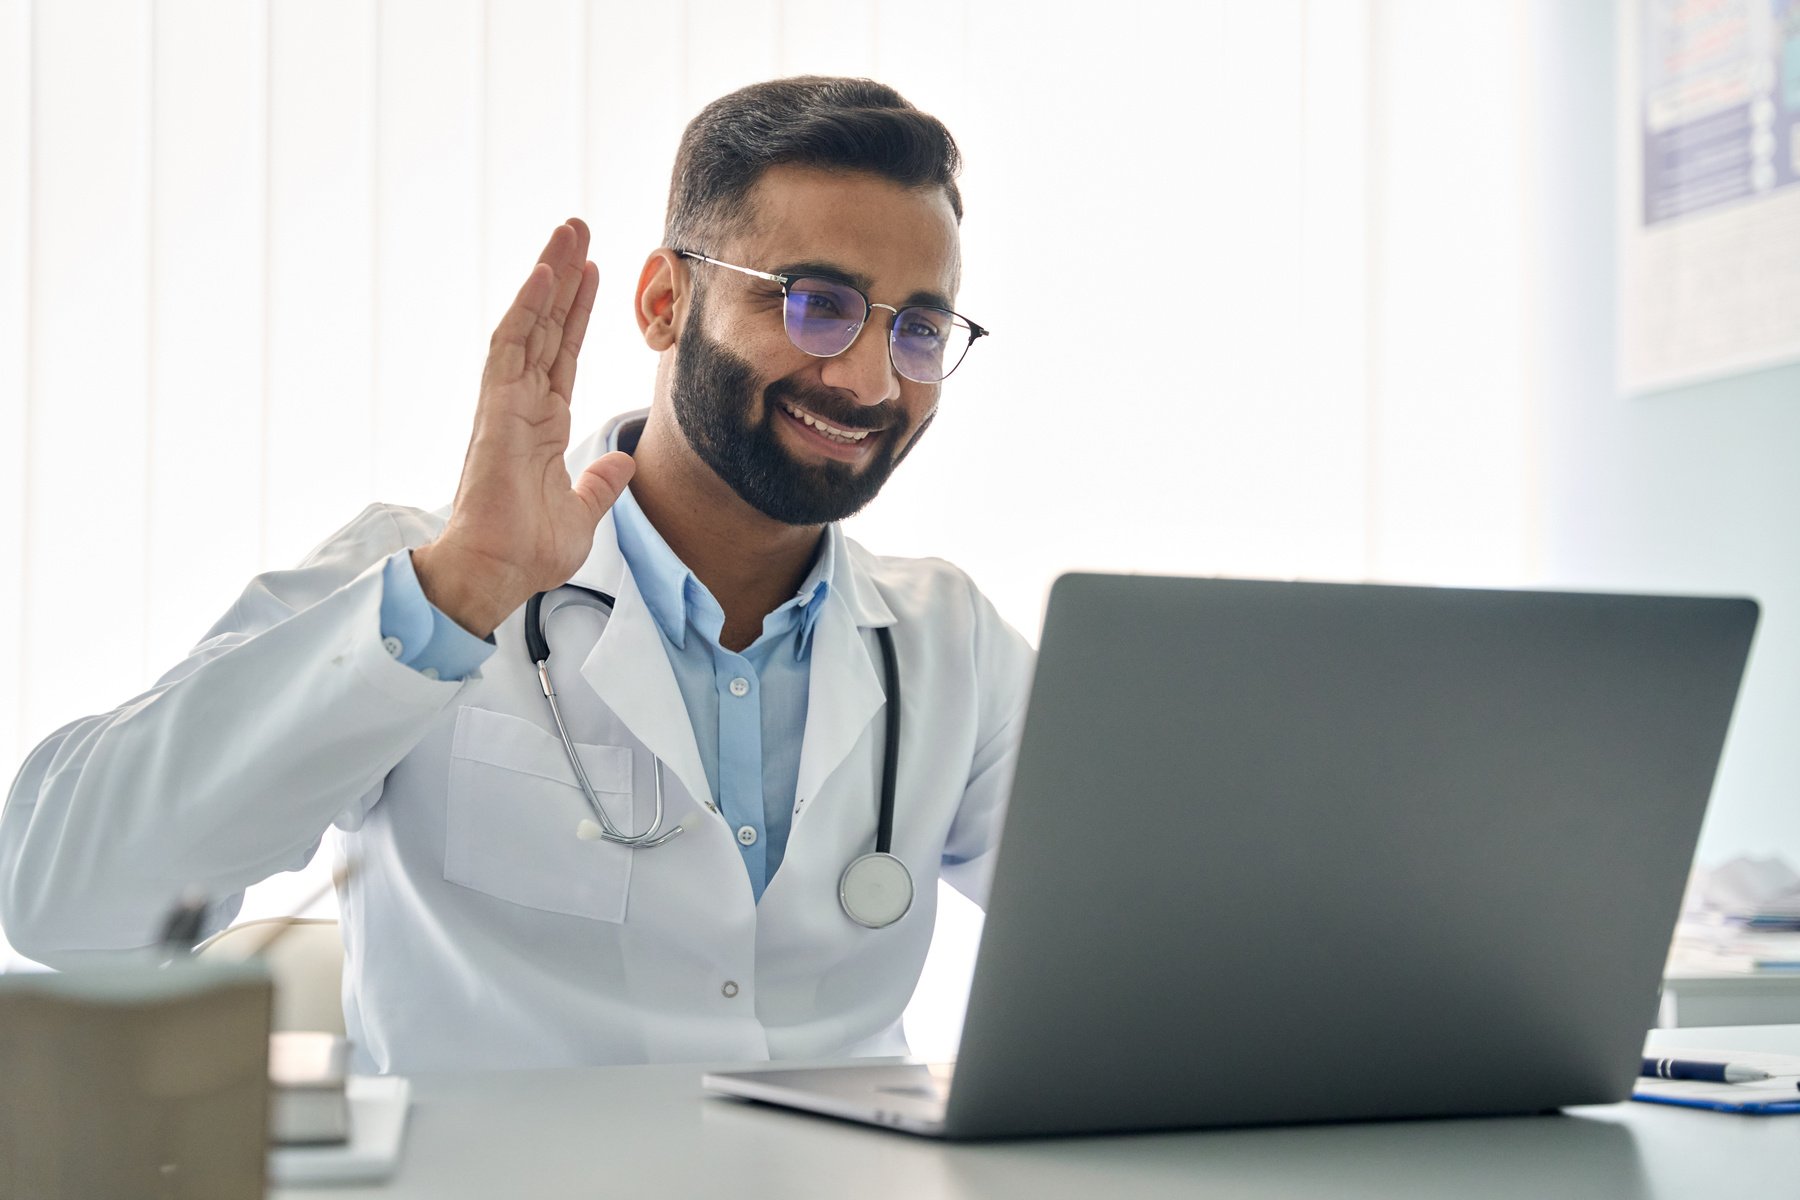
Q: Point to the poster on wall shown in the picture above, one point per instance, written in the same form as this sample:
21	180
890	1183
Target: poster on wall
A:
1709	189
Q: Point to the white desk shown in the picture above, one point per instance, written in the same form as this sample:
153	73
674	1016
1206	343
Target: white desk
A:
1698	997
649	1131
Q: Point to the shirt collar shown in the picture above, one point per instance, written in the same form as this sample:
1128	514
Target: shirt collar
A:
669	587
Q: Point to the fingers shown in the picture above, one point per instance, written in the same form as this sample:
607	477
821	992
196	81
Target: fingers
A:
562	372
532	332
603	480
567	256
566	248
507	354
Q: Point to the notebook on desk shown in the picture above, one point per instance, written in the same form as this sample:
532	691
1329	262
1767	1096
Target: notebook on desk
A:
1287	852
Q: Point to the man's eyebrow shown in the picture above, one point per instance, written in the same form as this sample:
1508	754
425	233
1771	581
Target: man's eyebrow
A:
856	280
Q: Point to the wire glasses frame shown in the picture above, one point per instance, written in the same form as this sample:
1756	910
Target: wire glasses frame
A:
822	318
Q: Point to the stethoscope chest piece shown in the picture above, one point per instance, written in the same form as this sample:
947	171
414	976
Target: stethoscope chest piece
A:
876	890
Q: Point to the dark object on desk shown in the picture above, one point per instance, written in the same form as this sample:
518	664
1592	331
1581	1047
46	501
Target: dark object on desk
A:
183	926
1419	850
1707	1072
135	1081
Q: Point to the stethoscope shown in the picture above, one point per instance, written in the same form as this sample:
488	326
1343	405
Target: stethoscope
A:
875	890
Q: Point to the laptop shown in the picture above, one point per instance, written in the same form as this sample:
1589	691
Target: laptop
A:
1296	852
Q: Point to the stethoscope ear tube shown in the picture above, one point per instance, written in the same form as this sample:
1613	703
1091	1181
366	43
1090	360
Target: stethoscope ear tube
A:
884	829
535	642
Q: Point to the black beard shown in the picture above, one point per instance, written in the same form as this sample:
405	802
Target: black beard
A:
713	391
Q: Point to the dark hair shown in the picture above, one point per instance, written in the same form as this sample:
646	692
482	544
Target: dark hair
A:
813	120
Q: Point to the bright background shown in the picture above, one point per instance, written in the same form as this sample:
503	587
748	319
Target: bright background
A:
1293	288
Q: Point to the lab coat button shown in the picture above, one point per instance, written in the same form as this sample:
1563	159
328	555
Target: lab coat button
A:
392	646
730	989
429	672
746	835
740	686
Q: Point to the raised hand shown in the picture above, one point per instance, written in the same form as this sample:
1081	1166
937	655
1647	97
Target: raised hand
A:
519	525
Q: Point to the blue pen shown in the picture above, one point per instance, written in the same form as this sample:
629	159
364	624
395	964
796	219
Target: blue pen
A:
1707	1072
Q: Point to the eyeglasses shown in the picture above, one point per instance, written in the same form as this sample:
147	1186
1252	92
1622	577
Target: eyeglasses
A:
823	316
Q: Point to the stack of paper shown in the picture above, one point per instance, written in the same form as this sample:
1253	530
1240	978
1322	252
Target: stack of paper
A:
326	1126
1742	916
378	1105
307	1103
1761	893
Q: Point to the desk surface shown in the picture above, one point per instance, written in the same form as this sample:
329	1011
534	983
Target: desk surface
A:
650	1131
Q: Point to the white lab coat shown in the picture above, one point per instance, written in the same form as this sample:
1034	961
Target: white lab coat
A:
480	931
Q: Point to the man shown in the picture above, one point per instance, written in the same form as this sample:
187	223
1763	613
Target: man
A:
715	656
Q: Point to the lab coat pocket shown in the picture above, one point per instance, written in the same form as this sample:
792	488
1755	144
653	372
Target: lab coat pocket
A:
513	809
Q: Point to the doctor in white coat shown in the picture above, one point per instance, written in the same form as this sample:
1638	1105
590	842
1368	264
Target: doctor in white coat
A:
384	687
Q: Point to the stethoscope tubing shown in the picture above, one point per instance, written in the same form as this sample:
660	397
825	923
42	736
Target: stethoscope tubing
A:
884	825
539	648
537	645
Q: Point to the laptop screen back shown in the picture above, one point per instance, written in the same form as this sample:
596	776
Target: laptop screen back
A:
1289	852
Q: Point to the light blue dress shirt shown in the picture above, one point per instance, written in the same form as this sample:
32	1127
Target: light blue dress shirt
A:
417	633
748	709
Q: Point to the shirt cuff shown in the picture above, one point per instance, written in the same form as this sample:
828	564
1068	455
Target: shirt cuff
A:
417	634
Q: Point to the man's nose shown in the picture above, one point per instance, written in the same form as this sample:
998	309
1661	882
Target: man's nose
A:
865	368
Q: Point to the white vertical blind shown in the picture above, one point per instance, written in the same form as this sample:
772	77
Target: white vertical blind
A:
1451	459
533	136
318	450
429	186
88	359
15	336
250	254
637	105
208	306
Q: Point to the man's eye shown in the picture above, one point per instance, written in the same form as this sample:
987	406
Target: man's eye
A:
922	330
821	304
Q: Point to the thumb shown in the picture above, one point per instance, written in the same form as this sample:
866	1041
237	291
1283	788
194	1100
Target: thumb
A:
603	480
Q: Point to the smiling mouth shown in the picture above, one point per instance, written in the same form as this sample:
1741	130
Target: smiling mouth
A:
835	433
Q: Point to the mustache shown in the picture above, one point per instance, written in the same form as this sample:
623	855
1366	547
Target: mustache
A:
824	404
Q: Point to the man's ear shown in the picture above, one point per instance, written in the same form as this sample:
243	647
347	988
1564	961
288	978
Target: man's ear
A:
661	299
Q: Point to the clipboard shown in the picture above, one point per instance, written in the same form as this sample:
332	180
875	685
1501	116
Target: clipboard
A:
1754	1108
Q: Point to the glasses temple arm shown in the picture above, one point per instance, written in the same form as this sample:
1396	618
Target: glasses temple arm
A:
783	280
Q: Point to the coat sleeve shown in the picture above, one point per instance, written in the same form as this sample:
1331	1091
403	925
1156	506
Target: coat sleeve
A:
1003	667
285	718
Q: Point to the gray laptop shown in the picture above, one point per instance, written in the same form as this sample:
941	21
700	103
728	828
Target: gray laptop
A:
1286	852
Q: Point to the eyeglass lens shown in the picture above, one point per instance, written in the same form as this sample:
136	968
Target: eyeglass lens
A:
823	317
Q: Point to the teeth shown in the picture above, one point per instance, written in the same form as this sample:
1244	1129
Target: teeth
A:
830	431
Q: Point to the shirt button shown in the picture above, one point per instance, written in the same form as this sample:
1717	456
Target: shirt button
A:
730	989
429	672
746	835
739	686
392	646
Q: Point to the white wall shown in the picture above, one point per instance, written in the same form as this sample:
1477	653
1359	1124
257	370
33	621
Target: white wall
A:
1696	489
